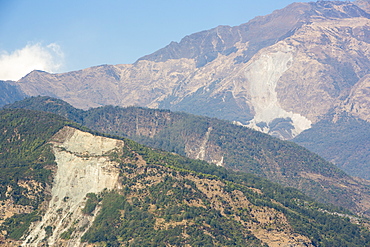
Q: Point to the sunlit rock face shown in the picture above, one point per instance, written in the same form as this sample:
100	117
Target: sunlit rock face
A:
278	73
82	168
263	75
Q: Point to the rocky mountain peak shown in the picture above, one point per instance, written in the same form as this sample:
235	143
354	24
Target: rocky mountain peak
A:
260	32
363	4
338	9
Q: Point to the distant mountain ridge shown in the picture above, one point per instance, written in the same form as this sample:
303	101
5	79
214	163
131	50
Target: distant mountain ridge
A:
278	67
280	74
259	33
9	92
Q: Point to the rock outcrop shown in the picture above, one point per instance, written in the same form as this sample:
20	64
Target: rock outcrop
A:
82	168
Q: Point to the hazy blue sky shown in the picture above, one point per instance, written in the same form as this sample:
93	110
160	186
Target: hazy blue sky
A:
67	35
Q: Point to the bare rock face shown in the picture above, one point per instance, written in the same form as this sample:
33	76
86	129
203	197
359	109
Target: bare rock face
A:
82	168
358	101
278	73
364	4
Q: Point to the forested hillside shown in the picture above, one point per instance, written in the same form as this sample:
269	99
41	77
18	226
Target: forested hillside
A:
158	199
27	164
221	143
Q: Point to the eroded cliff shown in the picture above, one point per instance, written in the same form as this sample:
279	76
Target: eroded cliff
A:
82	167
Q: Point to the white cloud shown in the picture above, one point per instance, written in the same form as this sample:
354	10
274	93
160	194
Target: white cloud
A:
17	64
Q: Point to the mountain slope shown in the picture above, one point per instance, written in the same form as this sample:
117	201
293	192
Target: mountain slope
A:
221	143
280	74
291	66
206	46
115	192
9	93
364	4
341	139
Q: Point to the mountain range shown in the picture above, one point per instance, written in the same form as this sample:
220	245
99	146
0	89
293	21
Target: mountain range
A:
288	74
252	135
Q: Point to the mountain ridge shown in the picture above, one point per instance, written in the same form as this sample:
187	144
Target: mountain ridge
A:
229	85
221	143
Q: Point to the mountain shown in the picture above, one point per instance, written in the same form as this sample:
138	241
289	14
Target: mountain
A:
281	74
364	4
63	185
291	66
9	93
222	143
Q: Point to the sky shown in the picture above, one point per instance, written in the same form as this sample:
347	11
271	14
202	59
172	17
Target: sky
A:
61	36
